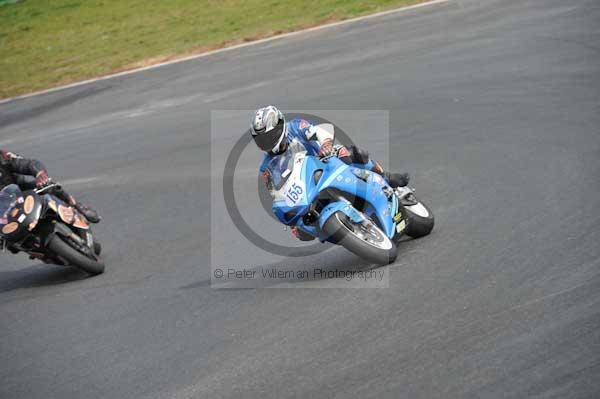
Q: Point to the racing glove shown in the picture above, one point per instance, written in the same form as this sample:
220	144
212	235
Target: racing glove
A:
42	178
326	148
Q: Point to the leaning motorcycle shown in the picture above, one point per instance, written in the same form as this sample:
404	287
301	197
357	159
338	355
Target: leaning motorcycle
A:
40	224
344	204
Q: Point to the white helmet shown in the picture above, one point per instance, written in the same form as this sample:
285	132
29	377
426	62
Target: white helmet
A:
269	129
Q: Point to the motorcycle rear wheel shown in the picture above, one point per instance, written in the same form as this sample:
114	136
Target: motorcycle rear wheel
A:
420	220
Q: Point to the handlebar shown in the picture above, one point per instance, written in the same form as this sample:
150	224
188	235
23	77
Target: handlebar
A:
327	157
50	185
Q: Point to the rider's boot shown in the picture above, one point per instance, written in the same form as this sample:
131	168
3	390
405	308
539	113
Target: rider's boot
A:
394	179
90	214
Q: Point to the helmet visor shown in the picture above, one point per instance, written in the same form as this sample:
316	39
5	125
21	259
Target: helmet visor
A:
267	141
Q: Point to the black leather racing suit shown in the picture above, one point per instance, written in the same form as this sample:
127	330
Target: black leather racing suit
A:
15	169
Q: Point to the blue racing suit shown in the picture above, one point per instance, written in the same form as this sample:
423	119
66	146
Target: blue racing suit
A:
312	137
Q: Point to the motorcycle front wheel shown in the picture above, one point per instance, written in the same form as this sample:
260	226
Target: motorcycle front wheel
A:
74	257
363	239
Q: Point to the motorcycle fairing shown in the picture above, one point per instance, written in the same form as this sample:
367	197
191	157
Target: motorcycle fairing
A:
21	215
336	175
66	213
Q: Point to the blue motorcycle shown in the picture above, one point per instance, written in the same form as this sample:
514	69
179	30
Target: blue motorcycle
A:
344	204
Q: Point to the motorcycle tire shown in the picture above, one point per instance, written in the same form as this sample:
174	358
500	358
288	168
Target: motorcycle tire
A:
340	230
420	220
74	257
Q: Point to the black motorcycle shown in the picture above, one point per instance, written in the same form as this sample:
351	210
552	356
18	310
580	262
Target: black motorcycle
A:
47	228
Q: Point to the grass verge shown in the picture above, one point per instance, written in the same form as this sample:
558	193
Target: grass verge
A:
50	43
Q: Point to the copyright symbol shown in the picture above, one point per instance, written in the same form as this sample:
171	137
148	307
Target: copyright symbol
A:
218	273
233	210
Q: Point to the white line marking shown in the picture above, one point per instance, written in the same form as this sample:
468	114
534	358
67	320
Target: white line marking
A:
224	49
83	180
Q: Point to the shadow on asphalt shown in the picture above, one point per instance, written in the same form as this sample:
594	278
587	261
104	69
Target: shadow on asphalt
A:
38	276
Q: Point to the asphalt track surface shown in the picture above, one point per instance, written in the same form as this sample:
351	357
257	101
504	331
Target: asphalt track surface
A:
495	110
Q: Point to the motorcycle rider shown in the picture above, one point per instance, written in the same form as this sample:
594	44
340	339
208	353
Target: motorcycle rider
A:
31	173
272	134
